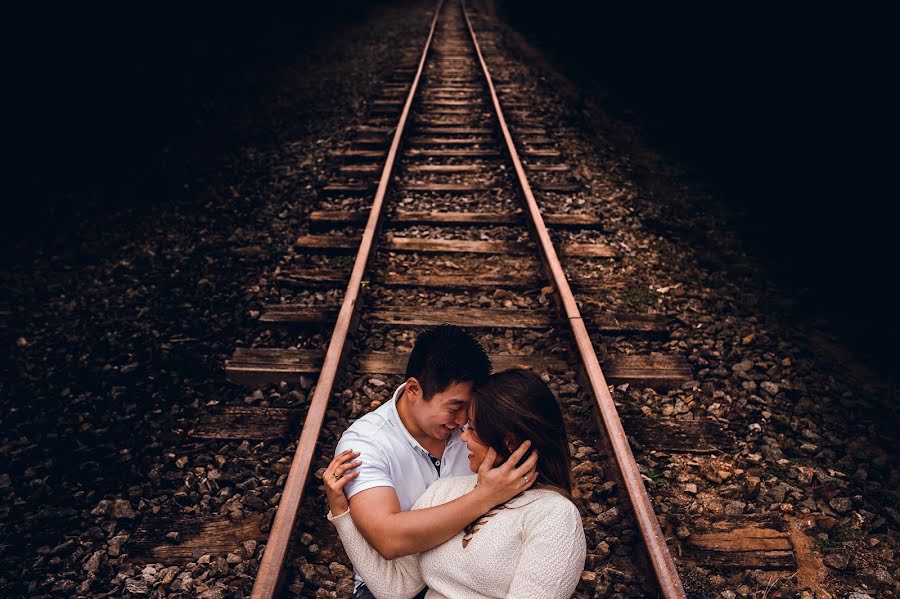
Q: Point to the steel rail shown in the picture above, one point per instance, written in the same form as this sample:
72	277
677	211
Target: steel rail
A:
267	577
661	559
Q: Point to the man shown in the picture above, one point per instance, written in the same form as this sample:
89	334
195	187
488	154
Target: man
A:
413	439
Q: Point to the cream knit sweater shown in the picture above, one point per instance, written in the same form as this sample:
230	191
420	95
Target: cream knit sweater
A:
533	546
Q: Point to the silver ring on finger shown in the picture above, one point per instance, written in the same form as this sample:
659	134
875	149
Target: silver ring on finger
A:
526	478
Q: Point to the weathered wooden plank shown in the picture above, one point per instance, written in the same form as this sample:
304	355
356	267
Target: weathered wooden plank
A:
445	153
361	169
343	244
339	243
454	246
558	187
446	87
333	188
463	317
265	365
472	101
298	314
449	122
548	167
431	111
454	130
395	363
542	153
360	154
530	131
372	143
449	168
198	537
536	140
582	221
246	422
327	243
741	543
314	279
466	317
448	187
462	280
627	322
302	278
587	250
451	141
403	217
678	436
371	129
657	371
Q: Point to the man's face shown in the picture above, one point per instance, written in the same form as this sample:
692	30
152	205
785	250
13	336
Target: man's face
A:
446	411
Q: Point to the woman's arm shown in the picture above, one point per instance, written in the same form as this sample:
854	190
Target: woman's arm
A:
387	579
553	553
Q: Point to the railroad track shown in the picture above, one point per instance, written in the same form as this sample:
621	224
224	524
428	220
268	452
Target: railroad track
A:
450	205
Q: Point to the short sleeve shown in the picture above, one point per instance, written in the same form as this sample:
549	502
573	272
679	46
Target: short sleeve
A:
375	469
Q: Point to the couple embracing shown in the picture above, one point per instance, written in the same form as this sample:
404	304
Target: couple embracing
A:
459	485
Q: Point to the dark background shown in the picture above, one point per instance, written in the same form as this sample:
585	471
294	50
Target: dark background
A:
783	111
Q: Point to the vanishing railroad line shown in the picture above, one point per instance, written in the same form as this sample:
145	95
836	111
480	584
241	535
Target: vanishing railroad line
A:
436	195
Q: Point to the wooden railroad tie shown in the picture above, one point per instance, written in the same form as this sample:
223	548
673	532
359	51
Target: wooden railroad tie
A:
263	366
339	218
343	244
215	536
442	153
302	278
454	130
615	323
355	188
662	435
741	543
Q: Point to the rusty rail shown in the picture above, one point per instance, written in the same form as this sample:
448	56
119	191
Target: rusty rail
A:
267	577
663	566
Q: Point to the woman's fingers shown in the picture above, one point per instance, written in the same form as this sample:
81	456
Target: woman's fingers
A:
530	463
340	482
517	455
529	477
340	470
338	462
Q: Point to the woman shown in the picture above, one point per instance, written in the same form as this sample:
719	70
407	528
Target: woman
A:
531	546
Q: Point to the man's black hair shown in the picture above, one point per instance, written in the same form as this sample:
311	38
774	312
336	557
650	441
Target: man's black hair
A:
446	354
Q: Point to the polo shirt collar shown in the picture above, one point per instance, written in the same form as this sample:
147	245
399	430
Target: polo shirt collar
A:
396	422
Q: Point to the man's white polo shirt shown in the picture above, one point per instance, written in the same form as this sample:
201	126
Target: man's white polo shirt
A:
391	457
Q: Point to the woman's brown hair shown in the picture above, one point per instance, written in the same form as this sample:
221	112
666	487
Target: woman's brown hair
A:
515	405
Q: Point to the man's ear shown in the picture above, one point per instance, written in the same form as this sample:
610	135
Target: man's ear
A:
413	389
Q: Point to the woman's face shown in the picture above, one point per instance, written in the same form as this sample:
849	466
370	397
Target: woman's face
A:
477	449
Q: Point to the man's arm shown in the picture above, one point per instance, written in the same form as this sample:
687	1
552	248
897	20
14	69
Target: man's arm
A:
394	533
